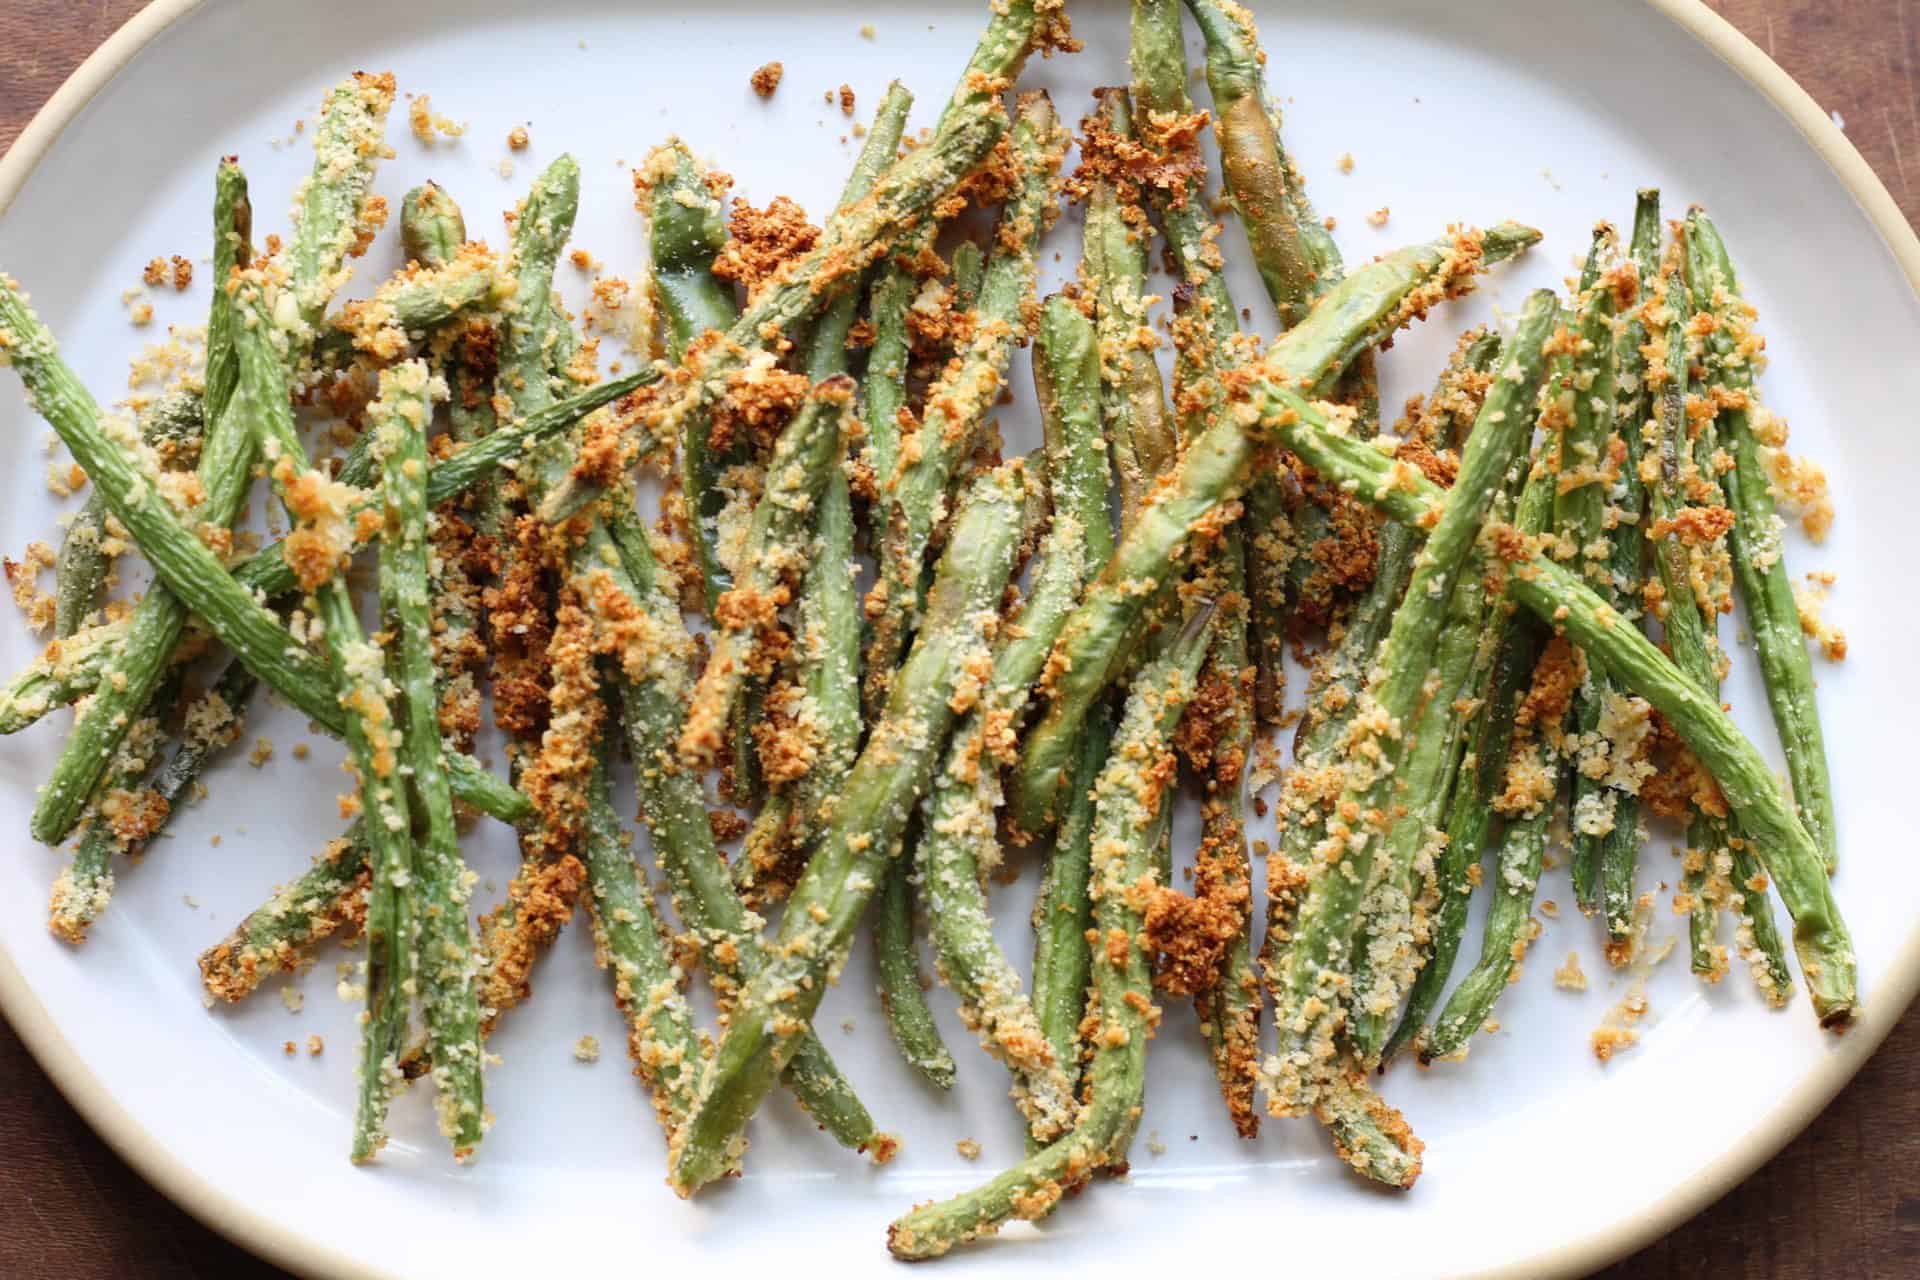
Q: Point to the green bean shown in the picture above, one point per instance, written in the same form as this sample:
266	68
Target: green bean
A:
154	630
1579	520
1395	914
64	672
119	817
1693	641
857	236
1620	846
653	706
1095	643
969	261
232	247
1072	382
412	304
1229	1007
1759	561
374	741
777	547
347	143
1063	911
432	228
864	833
1067	389
440	888
329	209
1789	854
895	958
1130	795
1133	402
1312	999
1368	1134
958	844
1509	927
170	424
965	393
1511	647
886	382
687	232
392	921
1296	264
280	935
829	636
629	940
182	562
614	570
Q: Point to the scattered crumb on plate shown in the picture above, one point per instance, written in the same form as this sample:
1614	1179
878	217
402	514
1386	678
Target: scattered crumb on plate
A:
766	79
424	122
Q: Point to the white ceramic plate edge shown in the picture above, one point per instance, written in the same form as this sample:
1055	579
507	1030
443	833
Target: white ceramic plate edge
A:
1772	1131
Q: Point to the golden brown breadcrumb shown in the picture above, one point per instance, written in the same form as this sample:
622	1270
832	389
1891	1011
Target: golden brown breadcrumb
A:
232	969
766	78
761	241
540	901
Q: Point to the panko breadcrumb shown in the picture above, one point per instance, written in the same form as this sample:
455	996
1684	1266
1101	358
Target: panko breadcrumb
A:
761	241
424	122
1570	976
586	1049
766	78
23	577
517	138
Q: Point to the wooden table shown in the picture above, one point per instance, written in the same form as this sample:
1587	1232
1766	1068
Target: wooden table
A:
70	1208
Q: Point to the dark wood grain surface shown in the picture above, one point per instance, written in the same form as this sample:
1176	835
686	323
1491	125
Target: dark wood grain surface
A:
1842	1201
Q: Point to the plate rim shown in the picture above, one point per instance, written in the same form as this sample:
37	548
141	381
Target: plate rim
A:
281	1245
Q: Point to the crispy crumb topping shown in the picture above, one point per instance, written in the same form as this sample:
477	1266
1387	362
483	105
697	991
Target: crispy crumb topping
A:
766	78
